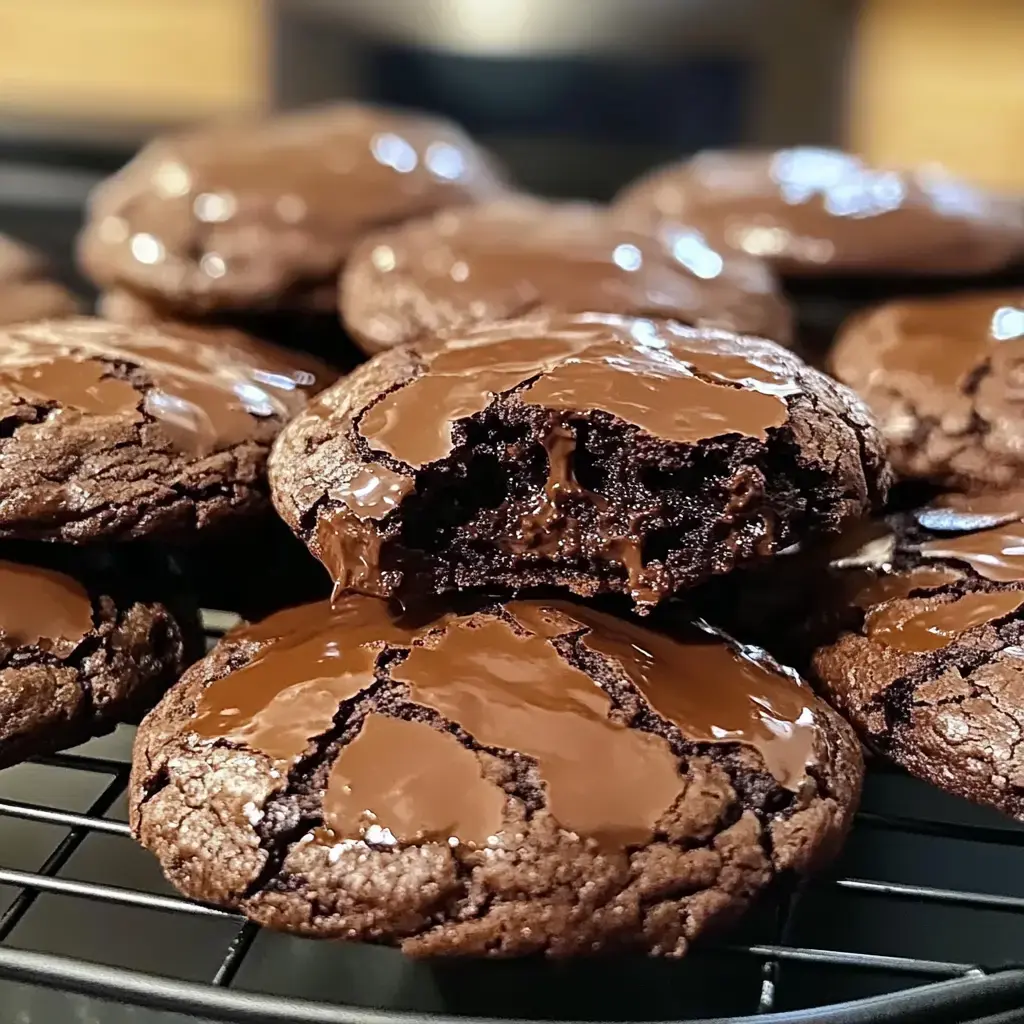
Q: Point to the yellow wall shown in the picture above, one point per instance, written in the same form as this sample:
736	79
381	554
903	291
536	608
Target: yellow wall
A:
942	80
130	60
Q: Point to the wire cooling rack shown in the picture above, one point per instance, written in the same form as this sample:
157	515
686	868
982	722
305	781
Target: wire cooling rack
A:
922	920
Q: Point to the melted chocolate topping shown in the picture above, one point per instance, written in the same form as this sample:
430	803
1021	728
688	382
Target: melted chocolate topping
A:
504	259
315	658
711	692
996	554
679	385
993	541
373	491
509	689
515	692
872	590
42	608
914	630
816	211
207	390
73	384
389	800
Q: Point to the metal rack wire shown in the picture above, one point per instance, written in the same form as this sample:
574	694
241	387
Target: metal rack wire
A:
777	960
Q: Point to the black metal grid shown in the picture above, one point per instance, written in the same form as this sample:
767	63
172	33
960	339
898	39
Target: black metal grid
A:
937	990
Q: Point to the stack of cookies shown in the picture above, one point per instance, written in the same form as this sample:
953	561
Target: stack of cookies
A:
508	732
912	628
119	446
479	747
581	445
932	672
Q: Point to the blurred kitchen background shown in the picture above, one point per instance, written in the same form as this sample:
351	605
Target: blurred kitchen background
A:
577	95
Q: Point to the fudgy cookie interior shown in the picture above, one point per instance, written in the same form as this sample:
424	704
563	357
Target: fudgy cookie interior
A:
597	453
600	505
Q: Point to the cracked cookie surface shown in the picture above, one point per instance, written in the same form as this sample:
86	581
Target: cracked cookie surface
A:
113	431
83	644
490	780
943	378
928	661
598	453
522	256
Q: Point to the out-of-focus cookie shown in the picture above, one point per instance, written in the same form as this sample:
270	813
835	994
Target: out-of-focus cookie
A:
842	235
261	215
27	291
813	212
522	256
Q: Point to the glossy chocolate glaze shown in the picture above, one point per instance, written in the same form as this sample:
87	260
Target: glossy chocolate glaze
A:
505	678
42	608
207	390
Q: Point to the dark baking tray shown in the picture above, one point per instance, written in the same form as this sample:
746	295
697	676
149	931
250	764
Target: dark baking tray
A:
921	919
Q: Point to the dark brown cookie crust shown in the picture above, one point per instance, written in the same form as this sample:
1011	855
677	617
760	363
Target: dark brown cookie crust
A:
87	477
721	502
730	833
953	716
950	419
141	485
137	648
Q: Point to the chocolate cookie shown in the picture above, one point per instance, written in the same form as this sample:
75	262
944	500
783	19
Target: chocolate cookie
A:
531	778
261	215
817	211
842	234
930	663
521	256
112	431
26	290
83	645
943	379
598	453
